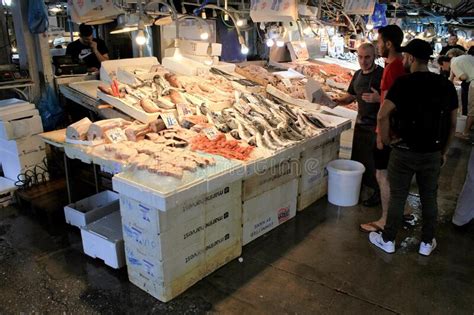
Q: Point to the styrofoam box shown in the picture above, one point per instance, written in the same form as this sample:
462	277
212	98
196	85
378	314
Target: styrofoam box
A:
14	105
92	208
23	145
268	210
151	218
7	191
147	273
269	178
19	115
313	164
165	201
308	197
13	165
14	129
165	245
103	239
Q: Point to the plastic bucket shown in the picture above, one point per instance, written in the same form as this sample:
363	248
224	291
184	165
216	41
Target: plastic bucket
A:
345	177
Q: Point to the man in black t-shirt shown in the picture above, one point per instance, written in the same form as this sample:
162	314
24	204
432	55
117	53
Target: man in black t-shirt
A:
365	88
452	43
88	50
418	118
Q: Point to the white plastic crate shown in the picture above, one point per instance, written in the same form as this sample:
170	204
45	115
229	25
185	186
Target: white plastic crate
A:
269	210
103	239
92	208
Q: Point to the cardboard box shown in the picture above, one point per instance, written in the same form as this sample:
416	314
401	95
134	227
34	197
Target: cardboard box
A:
14	165
14	129
269	210
103	239
90	209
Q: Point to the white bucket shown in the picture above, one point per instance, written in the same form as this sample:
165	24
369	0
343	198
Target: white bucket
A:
345	177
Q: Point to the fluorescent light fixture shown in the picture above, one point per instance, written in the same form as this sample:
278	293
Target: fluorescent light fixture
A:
7	3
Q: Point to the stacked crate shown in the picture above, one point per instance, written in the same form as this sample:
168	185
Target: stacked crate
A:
313	182
169	246
269	196
21	149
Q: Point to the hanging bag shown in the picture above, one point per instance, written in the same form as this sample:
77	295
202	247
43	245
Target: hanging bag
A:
37	17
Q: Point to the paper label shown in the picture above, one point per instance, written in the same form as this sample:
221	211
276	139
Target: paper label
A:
183	111
115	135
287	82
169	119
211	133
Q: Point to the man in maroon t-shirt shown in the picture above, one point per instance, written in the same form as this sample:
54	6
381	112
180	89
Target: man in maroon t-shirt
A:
389	46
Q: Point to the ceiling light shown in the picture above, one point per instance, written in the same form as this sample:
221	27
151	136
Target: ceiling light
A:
203	14
280	43
141	38
244	49
204	35
240	22
7	3
14	50
369	26
269	42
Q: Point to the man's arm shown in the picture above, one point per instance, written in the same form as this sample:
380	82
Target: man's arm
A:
383	120
95	50
345	99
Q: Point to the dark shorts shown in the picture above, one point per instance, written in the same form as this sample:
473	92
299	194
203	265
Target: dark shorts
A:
381	157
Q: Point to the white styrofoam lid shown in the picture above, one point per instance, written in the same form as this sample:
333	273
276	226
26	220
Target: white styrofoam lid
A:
109	226
6	185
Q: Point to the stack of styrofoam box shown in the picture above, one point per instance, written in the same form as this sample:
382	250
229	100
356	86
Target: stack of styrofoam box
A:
7	192
313	182
98	217
20	147
269	198
174	241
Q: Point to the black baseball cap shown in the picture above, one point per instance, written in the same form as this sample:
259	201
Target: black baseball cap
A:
418	48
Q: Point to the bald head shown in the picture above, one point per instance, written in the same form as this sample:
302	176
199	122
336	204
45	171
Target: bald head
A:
366	56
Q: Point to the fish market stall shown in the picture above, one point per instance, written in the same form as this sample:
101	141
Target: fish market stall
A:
205	168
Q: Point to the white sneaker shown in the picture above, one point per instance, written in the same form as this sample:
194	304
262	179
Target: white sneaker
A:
427	248
376	239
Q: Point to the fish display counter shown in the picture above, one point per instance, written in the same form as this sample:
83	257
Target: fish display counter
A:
213	168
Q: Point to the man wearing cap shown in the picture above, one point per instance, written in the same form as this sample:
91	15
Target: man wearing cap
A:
423	106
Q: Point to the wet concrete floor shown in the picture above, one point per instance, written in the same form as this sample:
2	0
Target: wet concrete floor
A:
318	262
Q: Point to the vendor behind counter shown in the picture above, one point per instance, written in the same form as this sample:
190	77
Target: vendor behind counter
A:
87	49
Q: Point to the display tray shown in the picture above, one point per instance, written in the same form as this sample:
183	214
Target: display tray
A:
88	88
134	112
